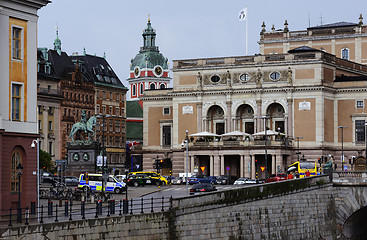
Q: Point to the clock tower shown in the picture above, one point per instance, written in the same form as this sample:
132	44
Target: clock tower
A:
149	68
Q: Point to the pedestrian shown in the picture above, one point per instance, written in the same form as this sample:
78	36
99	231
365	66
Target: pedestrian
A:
308	173
290	175
296	175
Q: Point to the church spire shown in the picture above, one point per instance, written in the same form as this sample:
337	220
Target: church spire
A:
57	42
149	37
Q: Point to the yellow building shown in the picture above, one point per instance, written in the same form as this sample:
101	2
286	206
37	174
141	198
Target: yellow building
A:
301	93
18	101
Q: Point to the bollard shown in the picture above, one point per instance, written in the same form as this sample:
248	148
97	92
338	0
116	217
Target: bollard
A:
49	208
10	218
56	220
66	208
60	202
152	205
83	209
108	208
99	207
70	218
131	207
26	215
33	207
142	206
125	206
92	198
162	203
120	207
112	206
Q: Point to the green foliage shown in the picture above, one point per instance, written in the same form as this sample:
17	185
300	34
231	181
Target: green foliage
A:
45	162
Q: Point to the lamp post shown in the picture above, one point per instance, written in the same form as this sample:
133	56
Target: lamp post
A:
298	152
365	137
266	145
19	173
342	158
104	161
33	145
187	160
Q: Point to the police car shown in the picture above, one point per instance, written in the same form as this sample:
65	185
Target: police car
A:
93	181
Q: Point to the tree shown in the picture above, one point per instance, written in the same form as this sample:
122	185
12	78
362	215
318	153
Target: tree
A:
45	161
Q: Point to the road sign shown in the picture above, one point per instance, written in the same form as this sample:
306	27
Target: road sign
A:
202	169
262	169
60	162
228	168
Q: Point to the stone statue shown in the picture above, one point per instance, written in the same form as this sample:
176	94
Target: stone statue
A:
199	78
258	78
85	126
289	76
229	80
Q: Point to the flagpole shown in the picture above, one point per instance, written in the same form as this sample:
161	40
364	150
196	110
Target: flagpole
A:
247	32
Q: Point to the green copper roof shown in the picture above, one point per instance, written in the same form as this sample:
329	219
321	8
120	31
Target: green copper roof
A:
149	55
134	109
57	43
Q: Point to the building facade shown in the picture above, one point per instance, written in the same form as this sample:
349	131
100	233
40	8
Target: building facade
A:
18	100
304	95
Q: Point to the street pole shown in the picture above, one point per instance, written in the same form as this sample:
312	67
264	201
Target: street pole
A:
266	145
33	145
298	152
187	160
104	165
342	158
365	137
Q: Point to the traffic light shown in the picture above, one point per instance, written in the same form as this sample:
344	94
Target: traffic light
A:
319	161
353	160
160	163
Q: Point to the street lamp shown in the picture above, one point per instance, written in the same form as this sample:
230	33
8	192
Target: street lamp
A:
33	145
19	173
298	152
104	161
342	127
187	160
266	145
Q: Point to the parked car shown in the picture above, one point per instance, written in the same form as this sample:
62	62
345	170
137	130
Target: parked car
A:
71	181
202	188
176	180
141	179
223	179
276	177
153	175
243	181
168	178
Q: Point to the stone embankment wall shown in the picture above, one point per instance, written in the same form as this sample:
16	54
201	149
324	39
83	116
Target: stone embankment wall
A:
295	209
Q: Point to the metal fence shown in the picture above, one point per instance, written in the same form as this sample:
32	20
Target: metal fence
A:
69	211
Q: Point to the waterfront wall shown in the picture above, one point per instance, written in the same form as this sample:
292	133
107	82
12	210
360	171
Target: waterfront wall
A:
296	209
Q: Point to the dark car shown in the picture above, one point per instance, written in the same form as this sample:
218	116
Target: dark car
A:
71	181
276	177
202	179
141	179
223	179
202	188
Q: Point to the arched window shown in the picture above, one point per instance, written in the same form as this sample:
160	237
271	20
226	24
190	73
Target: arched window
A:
14	181
162	86
345	53
141	89
134	90
152	86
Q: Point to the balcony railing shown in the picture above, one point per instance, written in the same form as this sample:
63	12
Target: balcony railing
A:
237	143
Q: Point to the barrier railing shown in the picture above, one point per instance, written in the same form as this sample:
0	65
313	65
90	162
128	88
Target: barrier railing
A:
82	210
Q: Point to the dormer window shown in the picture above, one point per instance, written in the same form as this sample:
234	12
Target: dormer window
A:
345	53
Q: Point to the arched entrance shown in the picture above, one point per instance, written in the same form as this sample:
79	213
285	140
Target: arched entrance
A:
215	117
356	225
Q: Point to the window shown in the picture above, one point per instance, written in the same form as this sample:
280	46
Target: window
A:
117	111
97	110
40	125
244	77
152	86
117	126
17	43
50	128
166	135
165	111
15	160
215	79
141	89
103	110
110	126
162	86
345	53
50	148
360	104
360	131
47	69
134	90
110	110
50	111
16	102
275	76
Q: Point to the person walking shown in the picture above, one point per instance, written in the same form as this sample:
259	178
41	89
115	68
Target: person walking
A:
308	173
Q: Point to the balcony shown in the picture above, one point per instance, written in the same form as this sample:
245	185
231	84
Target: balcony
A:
284	142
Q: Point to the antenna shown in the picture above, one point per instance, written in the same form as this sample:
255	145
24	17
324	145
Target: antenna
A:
309	20
321	18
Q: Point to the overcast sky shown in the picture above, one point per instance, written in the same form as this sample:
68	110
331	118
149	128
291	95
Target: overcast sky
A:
185	29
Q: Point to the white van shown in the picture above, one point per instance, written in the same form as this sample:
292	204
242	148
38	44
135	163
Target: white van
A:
93	181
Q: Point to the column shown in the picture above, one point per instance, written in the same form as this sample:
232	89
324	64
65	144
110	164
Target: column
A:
279	162
192	163
290	117
253	169
242	165
216	165
246	166
222	165
259	113
200	117
211	165
273	164
229	116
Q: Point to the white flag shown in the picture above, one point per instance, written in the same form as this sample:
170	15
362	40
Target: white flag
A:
243	14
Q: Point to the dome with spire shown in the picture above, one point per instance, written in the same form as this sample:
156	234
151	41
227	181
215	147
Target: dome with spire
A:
57	43
149	55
